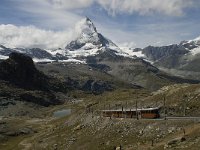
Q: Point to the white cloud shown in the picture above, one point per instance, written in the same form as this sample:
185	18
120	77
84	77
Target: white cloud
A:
70	4
47	14
142	7
145	7
30	36
157	34
127	44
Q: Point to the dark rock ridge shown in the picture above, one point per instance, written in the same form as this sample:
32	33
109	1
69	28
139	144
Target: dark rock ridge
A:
5	51
20	80
20	70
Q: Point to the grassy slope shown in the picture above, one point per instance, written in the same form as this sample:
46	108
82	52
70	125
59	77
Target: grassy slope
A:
83	130
87	131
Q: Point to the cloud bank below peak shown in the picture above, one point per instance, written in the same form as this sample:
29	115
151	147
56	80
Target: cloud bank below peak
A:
13	36
29	36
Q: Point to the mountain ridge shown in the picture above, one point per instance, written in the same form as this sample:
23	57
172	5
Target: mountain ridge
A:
90	43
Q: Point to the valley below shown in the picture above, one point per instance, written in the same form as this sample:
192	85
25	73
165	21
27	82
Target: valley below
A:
84	90
83	129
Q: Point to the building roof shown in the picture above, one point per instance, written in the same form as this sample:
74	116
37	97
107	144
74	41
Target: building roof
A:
134	109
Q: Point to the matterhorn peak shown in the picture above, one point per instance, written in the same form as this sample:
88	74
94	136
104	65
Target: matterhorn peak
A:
86	26
90	24
89	42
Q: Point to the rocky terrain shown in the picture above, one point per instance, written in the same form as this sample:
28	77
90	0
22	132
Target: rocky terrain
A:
178	59
20	80
83	129
91	74
98	88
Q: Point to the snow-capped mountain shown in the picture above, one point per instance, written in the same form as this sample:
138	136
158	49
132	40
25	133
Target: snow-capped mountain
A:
157	53
90	42
132	52
192	45
180	59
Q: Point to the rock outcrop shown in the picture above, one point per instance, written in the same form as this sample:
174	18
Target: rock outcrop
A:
20	80
20	70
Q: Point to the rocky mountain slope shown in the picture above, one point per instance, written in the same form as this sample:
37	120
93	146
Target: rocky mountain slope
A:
21	81
178	59
135	71
20	70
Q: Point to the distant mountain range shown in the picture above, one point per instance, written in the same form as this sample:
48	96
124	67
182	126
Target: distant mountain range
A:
178	59
90	43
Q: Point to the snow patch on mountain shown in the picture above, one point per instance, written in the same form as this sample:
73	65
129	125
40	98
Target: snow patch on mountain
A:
195	51
196	39
57	51
82	52
3	57
72	60
43	60
195	44
131	53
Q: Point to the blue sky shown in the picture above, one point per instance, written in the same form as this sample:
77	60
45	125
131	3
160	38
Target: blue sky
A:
136	23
